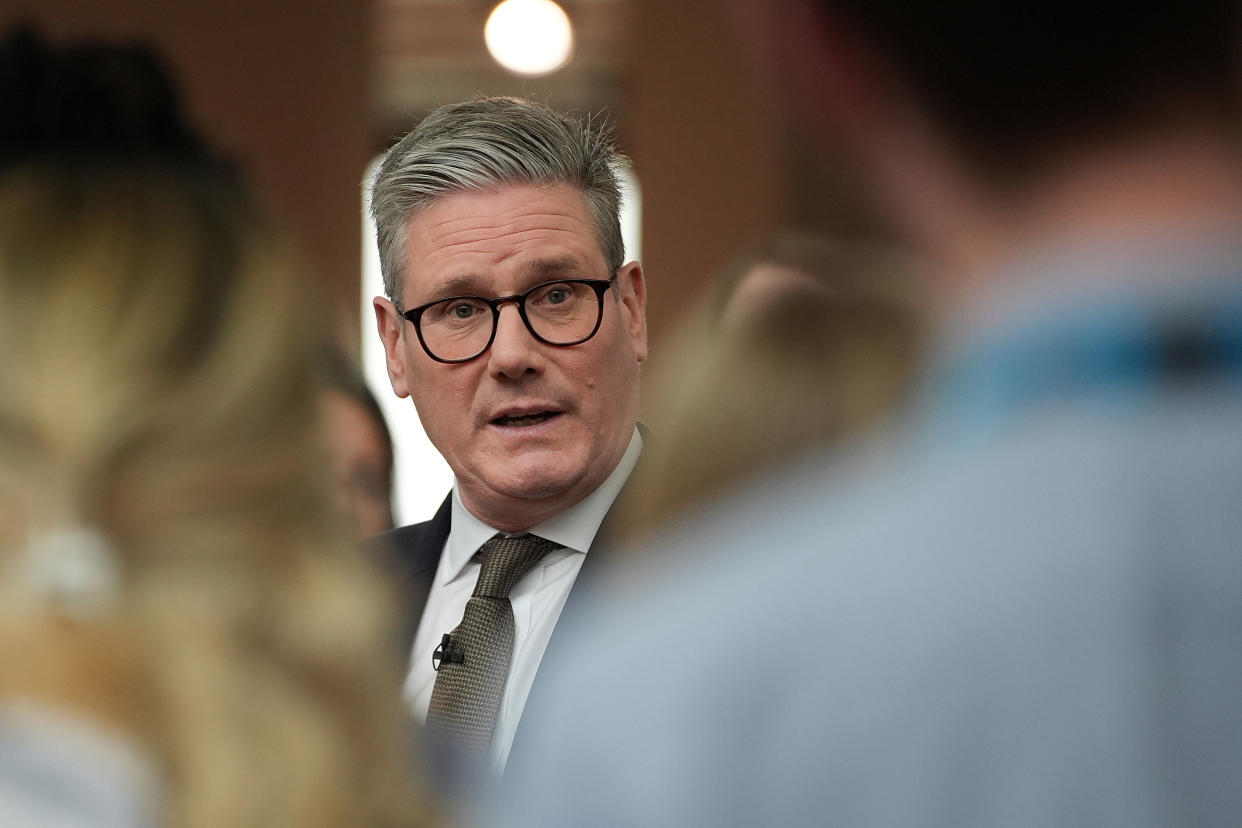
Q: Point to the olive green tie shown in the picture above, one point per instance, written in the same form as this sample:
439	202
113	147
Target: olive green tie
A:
473	661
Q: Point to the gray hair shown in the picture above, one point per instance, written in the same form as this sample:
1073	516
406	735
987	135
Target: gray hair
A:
487	143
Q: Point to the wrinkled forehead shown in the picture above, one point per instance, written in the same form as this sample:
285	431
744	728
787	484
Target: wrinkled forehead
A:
495	239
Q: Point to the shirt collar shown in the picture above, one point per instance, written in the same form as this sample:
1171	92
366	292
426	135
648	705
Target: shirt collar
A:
575	528
1042	282
1059	319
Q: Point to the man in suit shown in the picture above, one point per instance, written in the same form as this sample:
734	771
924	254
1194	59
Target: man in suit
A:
513	322
1025	610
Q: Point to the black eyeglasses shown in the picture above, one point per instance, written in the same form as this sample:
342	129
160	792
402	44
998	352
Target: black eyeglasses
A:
461	328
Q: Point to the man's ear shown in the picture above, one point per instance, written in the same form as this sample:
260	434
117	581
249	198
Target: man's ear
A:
389	324
632	290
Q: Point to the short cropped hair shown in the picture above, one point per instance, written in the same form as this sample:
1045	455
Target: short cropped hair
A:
1010	81
487	143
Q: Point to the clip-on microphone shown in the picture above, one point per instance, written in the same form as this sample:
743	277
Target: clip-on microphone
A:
446	653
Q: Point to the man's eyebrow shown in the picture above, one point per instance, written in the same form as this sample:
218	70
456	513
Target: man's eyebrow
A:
478	284
552	268
464	284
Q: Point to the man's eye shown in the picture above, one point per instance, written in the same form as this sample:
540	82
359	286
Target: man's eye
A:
554	295
462	311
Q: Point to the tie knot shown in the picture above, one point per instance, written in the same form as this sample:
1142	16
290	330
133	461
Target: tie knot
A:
506	560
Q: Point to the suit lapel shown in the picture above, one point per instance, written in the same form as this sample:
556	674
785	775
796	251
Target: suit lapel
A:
422	551
412	554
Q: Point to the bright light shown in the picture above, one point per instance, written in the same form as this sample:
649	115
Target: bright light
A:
529	37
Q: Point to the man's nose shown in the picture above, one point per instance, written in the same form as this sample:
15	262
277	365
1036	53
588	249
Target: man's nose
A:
514	351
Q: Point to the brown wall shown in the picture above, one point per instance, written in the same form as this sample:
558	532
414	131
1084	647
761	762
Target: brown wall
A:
281	86
707	152
287	87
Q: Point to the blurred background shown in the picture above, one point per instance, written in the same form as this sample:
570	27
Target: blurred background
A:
306	95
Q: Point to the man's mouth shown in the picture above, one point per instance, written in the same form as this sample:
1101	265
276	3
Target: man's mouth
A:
517	421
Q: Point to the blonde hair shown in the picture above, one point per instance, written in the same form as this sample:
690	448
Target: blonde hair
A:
801	344
156	361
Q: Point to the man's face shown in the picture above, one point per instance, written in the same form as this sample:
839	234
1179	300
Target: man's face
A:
529	429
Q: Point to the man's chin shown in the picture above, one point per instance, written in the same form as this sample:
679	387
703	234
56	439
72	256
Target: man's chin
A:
533	489
514	504
539	478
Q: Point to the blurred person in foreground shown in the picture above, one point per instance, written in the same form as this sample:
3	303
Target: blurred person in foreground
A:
1027	611
359	447
803	343
516	326
185	640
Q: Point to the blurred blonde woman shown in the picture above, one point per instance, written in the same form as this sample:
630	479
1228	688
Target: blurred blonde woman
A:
802	343
184	637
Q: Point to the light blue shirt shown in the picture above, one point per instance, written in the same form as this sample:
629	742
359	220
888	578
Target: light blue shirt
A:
1025	610
63	770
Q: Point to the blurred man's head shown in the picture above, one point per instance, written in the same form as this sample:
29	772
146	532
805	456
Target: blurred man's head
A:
963	117
533	400
1016	83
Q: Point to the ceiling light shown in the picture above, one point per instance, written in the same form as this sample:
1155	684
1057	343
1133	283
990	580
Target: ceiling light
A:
529	37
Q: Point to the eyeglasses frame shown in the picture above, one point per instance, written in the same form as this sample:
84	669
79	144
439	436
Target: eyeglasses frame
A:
600	286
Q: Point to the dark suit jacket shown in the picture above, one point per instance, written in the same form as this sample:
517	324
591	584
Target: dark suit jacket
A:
412	554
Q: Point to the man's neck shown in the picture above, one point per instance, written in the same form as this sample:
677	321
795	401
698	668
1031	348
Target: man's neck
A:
522	515
1171	184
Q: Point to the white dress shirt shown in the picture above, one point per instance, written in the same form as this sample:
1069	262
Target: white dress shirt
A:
537	599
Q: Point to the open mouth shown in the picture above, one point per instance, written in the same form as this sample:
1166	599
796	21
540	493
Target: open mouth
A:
525	419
